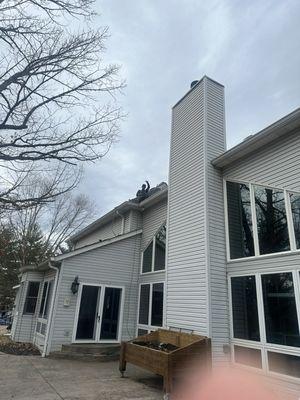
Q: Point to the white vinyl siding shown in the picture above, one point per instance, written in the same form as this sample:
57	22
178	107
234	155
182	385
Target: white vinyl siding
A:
196	258
116	264
24	325
111	229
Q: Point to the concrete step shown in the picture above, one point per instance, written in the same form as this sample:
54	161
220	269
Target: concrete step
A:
83	357
88	352
94	349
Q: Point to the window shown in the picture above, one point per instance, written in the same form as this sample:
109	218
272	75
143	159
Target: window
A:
44	307
45	289
295	206
271	218
248	356
31	297
261	220
265	321
144	304
153	257
280	309
151	304
157	304
147	258
160	249
239	220
142	332
244	308
286	364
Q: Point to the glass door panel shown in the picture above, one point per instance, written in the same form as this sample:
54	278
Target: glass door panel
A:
111	314
88	312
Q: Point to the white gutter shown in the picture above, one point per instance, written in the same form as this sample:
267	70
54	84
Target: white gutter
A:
51	309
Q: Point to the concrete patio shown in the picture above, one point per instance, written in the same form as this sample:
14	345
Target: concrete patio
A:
34	377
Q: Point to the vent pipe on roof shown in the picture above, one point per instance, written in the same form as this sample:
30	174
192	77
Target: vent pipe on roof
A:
194	83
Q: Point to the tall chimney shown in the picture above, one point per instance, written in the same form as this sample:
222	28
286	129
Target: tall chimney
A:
196	263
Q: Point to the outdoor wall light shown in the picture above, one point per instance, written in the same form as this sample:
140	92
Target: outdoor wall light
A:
75	285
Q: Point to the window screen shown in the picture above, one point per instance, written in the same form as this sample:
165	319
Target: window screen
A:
45	287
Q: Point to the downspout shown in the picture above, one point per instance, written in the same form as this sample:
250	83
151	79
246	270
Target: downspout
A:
51	308
123	222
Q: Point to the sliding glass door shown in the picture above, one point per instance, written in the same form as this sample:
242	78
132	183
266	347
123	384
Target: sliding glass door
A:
98	314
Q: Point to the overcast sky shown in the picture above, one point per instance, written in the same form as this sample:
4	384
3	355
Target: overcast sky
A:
251	47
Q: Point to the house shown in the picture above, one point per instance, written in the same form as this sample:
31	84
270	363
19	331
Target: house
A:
217	252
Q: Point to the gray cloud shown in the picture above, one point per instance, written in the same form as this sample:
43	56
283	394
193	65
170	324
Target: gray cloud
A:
251	47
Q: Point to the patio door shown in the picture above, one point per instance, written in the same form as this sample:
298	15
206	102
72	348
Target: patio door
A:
98	314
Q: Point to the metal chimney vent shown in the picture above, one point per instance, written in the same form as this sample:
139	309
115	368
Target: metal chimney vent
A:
194	83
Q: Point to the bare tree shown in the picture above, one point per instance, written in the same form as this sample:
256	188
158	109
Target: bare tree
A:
56	220
57	102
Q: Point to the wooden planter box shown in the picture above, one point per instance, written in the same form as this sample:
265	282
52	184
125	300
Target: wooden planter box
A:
189	348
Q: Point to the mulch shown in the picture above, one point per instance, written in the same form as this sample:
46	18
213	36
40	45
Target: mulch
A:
8	346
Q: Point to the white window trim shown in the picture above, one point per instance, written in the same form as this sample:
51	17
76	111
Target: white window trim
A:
263	345
46	297
153	240
25	298
41	319
289	217
148	327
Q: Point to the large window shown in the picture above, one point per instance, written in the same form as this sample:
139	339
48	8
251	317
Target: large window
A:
280	310
271	220
265	321
244	308
151	304
239	220
154	256
31	297
261	220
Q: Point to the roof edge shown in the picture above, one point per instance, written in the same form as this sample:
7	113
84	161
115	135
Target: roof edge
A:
126	205
96	245
285	125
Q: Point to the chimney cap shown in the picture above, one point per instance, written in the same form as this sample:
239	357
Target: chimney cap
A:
193	83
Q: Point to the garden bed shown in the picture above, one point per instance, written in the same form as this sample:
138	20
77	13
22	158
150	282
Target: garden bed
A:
8	346
167	353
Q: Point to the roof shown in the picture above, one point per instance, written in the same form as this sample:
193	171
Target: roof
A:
97	245
277	130
121	209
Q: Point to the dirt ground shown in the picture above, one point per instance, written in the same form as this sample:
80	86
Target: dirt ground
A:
9	347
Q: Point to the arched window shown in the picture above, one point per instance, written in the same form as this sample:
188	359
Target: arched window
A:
154	255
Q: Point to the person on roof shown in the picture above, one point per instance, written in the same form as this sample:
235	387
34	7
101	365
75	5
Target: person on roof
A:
143	193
